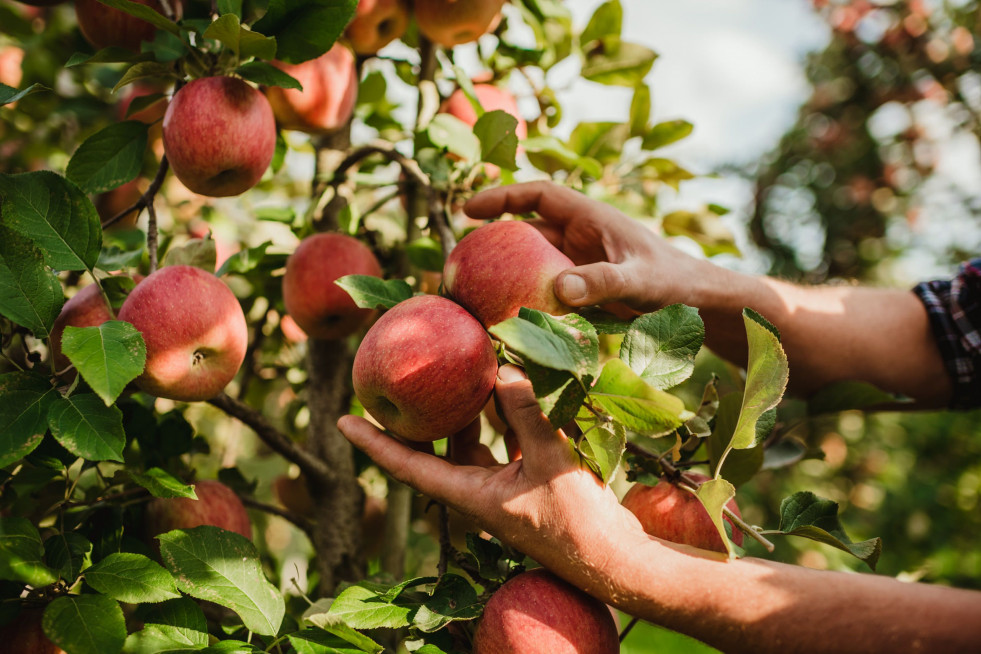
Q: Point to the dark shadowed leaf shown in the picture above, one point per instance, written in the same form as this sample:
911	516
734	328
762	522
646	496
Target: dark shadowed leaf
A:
22	553
24	401
88	428
85	624
809	516
109	158
305	29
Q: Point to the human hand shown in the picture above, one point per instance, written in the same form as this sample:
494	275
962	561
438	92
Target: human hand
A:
617	258
546	504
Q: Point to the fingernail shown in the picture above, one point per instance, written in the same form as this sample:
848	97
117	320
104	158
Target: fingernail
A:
510	374
572	287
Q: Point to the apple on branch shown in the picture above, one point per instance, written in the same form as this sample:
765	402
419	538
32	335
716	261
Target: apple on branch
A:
330	91
219	136
320	307
104	26
425	369
675	514
538	613
453	22
194	329
376	24
217	505
503	266
492	98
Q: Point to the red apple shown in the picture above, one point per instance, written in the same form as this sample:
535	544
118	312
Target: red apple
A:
425	369
217	505
25	635
452	22
330	90
377	23
538	613
219	135
87	308
103	26
675	514
291	331
503	266
492	98
319	306
194	329
10	65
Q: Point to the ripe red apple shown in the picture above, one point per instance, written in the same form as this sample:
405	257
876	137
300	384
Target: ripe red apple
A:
377	23
330	90
492	98
452	22
10	65
194	329
103	26
425	369
675	514
320	307
503	266
219	135
217	505
25	635
291	331
538	613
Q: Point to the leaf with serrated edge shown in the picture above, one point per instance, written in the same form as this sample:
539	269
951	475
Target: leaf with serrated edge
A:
362	608
161	483
68	553
131	578
661	346
88	428
767	372
108	356
21	553
177	624
634	403
109	158
604	444
24	401
30	293
317	641
223	567
536	344
371	292
498	139
452	599
85	624
714	495
809	516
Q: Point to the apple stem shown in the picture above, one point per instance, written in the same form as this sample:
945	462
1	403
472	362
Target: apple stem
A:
275	439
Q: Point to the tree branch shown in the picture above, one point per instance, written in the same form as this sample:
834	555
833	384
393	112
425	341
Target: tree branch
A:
275	439
301	523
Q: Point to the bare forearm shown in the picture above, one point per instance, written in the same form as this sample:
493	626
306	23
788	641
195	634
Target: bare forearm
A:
830	333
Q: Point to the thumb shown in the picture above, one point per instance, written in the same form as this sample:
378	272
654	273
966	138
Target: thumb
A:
595	283
543	449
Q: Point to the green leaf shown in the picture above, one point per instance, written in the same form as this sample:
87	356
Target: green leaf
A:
68	553
266	74
109	158
30	294
244	261
146	13
714	495
305	29
561	343
703	227
131	578
319	615
603	447
161	483
85	624
108	356
767	372
847	395
634	403
198	252
223	567
361	607
661	346
559	393
707	409
605	322
426	253
640	110
88	428
618	63
809	516
111	55
317	641
22	553
242	41
496	131
455	136
740	465
8	94
606	21
144	70
372	292
602	141
174	625
56	215
452	599
553	149
666	133
663	170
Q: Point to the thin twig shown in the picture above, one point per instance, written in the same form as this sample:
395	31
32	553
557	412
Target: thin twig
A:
277	440
626	630
301	523
147	198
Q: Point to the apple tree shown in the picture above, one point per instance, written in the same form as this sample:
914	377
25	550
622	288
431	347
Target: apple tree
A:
148	145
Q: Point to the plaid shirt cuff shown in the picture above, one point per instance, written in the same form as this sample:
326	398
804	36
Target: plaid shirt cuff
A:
954	309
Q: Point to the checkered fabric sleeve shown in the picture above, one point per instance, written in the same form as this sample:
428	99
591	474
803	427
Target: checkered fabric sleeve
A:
954	309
